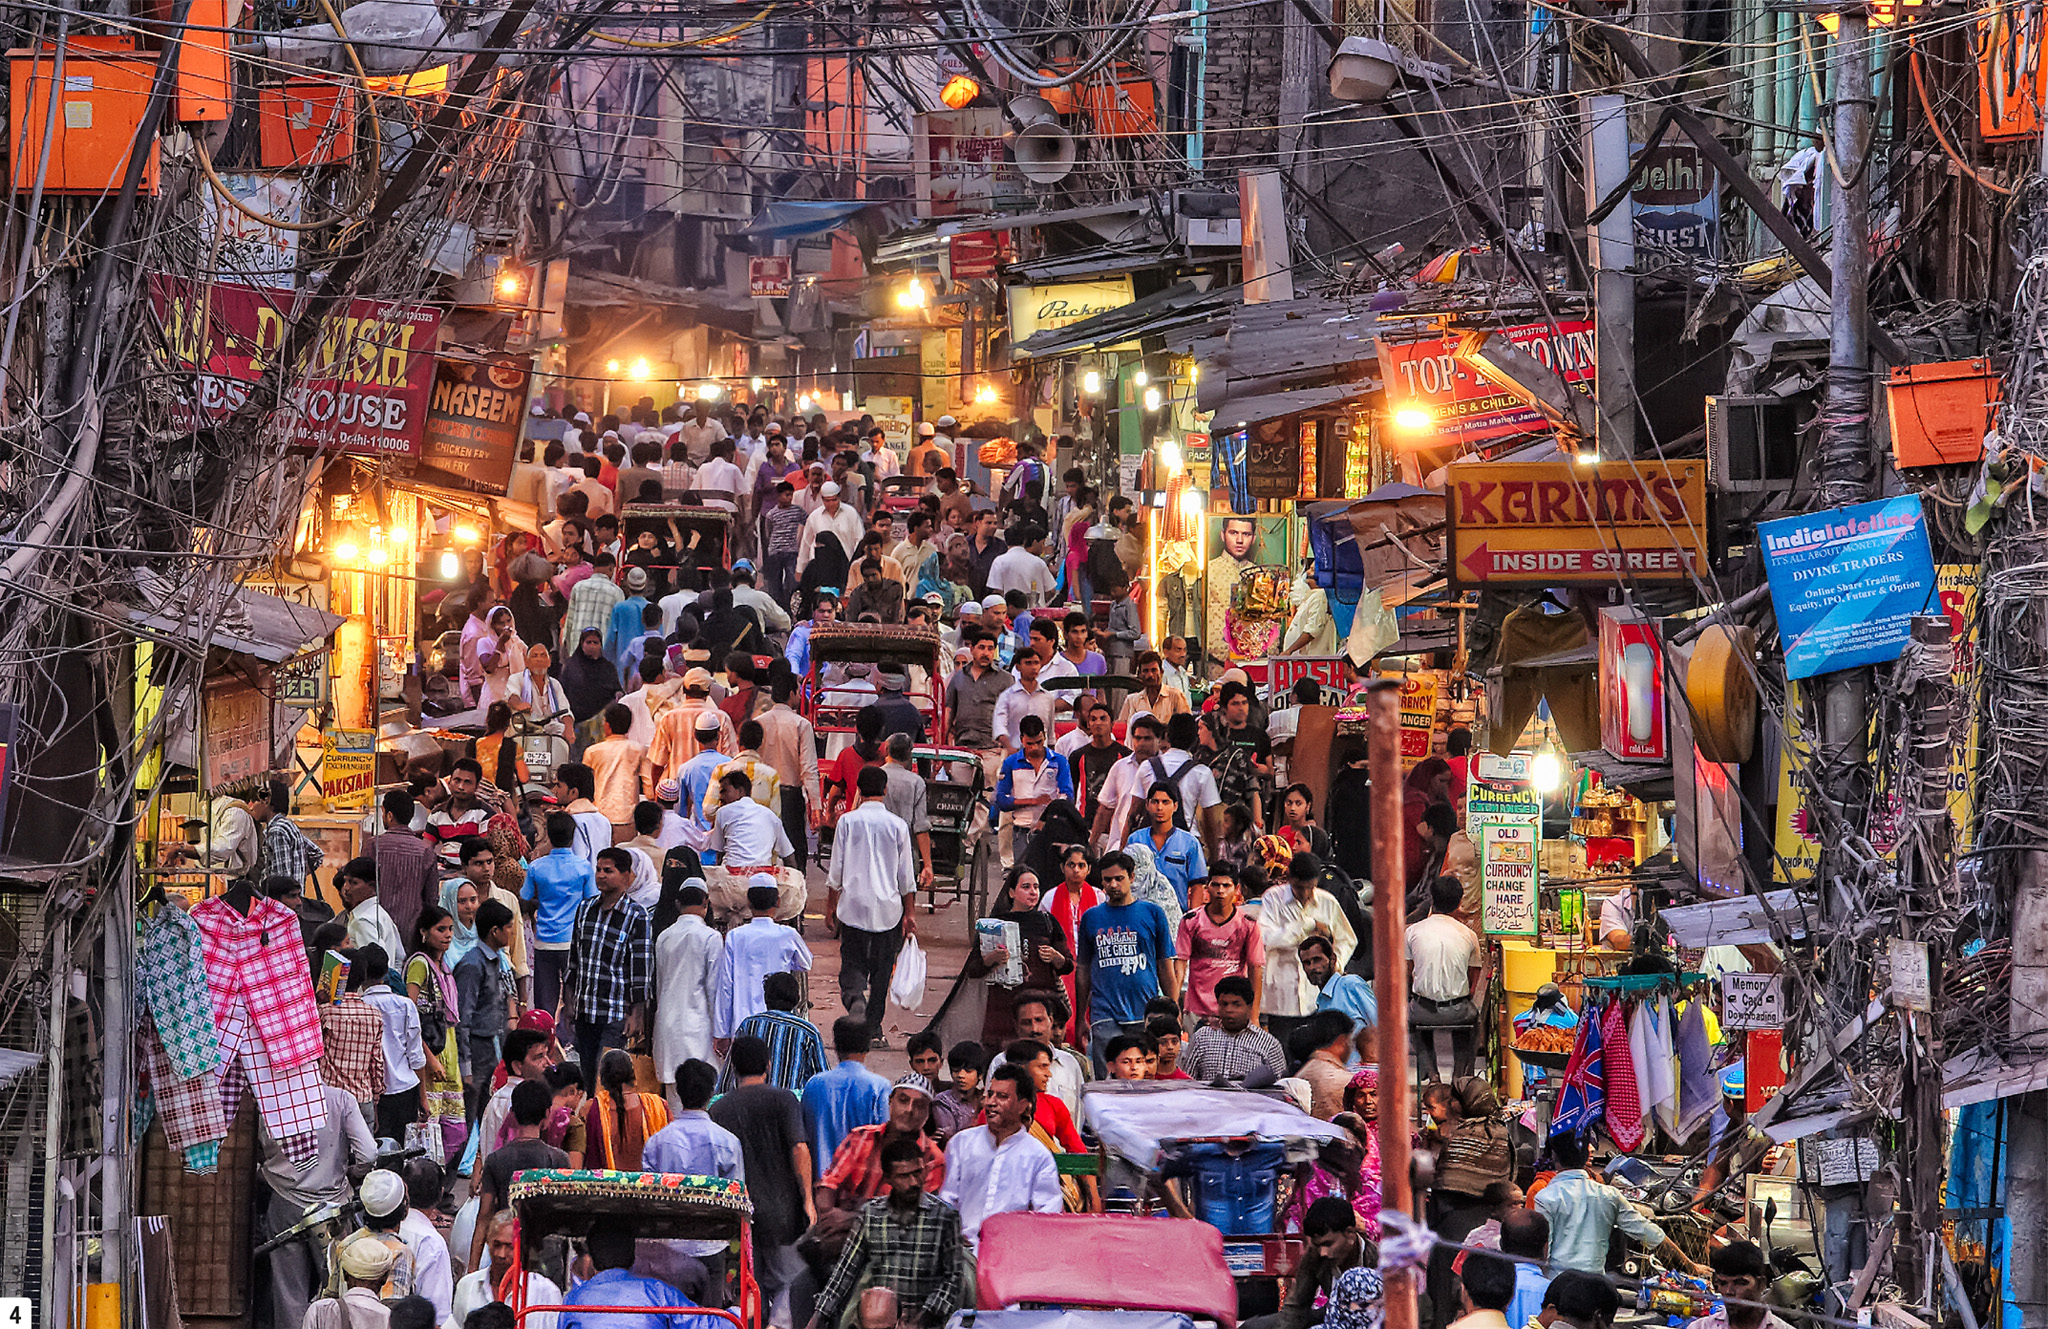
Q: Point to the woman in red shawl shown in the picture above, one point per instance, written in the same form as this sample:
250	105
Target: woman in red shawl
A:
1350	1169
1073	897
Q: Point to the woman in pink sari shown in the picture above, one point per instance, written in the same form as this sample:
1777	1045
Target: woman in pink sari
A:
1350	1169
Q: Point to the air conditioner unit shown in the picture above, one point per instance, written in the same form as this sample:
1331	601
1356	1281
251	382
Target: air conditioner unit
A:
1212	232
1752	444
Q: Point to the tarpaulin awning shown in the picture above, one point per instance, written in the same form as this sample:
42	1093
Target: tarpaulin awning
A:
267	627
1243	412
793	218
1176	306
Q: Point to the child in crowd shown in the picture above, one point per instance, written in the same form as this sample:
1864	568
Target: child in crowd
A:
1126	1057
955	1109
925	1059
567	1083
1164	1031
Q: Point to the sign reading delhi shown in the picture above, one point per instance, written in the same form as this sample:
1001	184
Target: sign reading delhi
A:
1550	523
1847	582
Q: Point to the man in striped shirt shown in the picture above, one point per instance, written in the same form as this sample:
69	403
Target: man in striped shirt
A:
592	600
796	1051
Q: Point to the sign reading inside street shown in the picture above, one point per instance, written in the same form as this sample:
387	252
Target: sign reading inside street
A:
1553	523
366	383
1847	582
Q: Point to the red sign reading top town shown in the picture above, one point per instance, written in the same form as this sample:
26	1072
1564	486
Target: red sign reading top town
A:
1548	523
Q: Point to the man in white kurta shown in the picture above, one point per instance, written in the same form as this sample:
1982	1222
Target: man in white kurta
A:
1288	913
685	973
757	948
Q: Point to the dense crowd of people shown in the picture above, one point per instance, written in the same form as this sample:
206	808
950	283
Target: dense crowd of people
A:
581	944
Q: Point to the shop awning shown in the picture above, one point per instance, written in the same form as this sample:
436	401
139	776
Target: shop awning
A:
793	218
267	627
1176	306
1104	261
1243	412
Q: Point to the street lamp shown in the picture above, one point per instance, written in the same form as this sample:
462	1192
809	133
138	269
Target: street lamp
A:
912	294
1153	401
612	366
1091	382
642	371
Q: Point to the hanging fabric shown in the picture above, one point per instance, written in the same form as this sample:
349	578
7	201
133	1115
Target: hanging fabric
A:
1699	1084
1650	1048
195	1121
1582	1095
1624	1101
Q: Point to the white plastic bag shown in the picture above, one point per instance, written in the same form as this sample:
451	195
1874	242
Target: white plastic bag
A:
906	986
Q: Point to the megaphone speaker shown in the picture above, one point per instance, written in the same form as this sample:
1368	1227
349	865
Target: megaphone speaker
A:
1043	148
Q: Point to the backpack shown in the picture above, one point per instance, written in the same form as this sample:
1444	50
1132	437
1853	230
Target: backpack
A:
1160	776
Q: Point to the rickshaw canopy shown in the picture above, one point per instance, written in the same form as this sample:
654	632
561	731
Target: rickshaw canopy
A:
876	643
668	1205
1114	1261
1137	1121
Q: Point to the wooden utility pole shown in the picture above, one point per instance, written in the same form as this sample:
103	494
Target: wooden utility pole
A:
1390	977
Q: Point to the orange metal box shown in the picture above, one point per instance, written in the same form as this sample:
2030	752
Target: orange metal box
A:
93	126
205	89
1940	412
307	122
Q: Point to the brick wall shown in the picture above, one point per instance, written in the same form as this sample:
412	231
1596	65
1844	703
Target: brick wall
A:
1241	110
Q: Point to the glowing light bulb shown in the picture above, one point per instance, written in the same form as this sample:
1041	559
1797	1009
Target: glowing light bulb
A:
451	566
1091	382
510	284
985	394
641	370
1169	457
1140	378
346	551
611	366
379	555
806	402
755	383
1153	401
1414	419
1191	504
468	535
960	91
1546	773
709	392
912	296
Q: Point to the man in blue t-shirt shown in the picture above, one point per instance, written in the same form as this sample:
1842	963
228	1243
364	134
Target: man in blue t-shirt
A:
1121	964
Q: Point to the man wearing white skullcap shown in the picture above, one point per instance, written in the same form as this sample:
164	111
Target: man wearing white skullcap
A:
754	950
834	515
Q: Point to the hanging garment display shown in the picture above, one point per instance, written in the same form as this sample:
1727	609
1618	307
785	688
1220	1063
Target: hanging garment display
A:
1624	1103
1699	1083
290	1099
1650	1049
170	984
195	1120
1582	1095
259	960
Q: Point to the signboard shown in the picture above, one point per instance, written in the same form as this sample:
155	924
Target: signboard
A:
1677	204
348	768
1508	853
977	255
768	276
247	250
2012	77
237	747
1272	459
301	681
1467	406
893	415
1797	840
1957	585
961	161
1631	687
1504	817
1912	983
1418	717
1552	523
1847	582
1752	1001
1284	671
368	378
473	422
279	581
1036	308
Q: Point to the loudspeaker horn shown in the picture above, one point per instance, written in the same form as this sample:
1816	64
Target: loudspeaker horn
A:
1043	148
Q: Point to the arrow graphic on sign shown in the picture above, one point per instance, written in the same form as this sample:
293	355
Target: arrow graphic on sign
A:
1477	564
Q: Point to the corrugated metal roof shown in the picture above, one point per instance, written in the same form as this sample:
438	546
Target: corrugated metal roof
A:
1147	316
267	627
1239	412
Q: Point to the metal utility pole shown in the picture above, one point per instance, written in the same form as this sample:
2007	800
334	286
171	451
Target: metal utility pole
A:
1390	970
1611	253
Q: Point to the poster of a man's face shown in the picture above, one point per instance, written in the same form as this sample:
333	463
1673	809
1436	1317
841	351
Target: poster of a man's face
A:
1258	540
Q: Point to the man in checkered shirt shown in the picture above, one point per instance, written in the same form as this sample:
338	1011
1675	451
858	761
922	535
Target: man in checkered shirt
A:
1233	1047
907	1241
611	965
